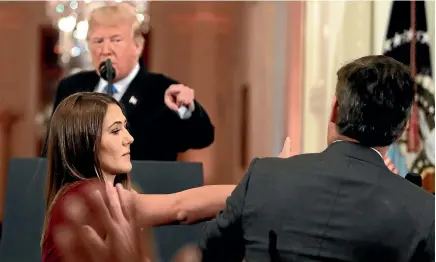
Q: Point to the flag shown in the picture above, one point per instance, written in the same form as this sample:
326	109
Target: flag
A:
395	161
390	165
414	152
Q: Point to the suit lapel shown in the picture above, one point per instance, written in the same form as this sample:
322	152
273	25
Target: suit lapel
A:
133	95
90	83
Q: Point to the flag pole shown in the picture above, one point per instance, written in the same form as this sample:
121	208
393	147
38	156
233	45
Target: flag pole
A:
413	134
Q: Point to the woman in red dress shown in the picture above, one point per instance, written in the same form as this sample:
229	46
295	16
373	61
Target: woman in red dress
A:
89	141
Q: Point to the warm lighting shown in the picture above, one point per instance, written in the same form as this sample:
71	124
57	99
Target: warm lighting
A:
69	17
75	51
74	5
67	24
60	8
81	30
140	17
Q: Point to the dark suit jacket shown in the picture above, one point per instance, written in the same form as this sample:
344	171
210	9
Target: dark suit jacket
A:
159	132
342	204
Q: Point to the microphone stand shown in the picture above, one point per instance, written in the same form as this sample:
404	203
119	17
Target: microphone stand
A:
109	75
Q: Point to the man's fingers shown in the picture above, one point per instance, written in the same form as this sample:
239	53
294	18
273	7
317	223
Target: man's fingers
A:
174	89
126	202
75	212
287	145
184	100
114	204
178	95
71	236
101	211
66	242
286	150
171	103
139	232
95	245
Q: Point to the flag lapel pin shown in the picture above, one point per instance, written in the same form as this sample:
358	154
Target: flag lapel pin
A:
133	100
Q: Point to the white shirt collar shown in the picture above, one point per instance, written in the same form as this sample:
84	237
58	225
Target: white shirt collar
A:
371	148
121	85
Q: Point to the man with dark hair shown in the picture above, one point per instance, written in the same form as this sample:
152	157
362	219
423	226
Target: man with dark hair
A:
374	95
342	204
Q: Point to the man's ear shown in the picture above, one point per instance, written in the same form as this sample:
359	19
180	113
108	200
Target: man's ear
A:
334	110
139	47
407	125
406	128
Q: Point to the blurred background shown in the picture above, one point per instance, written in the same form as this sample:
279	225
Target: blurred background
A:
262	70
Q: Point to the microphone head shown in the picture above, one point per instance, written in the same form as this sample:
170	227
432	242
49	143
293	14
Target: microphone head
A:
414	178
106	70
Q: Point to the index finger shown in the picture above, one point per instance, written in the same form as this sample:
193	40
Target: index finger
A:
175	88
114	204
66	242
286	150
102	214
171	104
126	202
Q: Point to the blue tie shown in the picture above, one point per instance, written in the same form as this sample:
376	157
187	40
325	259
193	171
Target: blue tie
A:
110	89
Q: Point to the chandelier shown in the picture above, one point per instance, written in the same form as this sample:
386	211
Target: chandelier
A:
69	17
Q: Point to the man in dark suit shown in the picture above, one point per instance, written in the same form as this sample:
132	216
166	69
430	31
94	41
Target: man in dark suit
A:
151	101
342	204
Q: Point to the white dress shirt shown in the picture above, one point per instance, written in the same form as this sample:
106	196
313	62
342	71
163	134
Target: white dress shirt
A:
121	86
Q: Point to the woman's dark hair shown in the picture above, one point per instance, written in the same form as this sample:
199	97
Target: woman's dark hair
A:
74	139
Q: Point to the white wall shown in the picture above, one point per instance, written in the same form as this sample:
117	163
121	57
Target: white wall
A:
335	33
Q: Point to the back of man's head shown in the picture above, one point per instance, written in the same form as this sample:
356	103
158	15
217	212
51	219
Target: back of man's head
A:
374	96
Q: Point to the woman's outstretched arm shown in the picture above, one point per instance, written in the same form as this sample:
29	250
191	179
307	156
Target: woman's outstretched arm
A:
185	207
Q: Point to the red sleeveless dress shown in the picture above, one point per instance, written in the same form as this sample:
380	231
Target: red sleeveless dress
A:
50	252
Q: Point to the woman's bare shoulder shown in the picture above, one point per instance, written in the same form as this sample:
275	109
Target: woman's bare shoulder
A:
75	189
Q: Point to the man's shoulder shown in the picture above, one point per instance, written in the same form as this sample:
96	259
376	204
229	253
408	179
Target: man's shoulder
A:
272	168
160	79
414	202
278	162
75	82
79	76
410	193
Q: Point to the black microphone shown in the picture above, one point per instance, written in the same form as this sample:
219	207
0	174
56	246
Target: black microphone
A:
414	178
107	71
